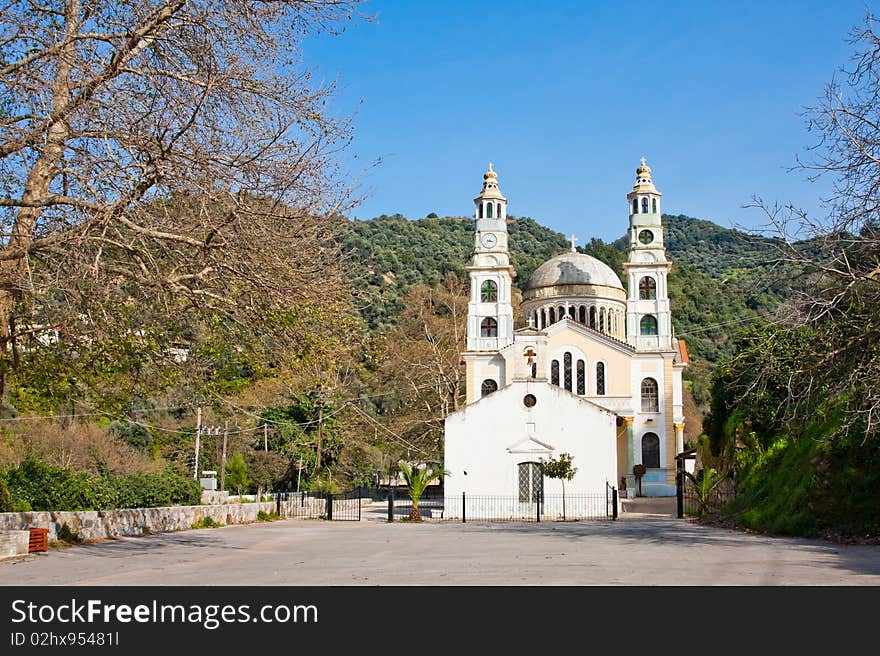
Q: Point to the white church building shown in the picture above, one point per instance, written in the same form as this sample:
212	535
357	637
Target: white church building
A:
595	372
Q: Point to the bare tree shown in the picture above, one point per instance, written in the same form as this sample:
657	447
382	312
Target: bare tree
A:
165	158
422	365
837	255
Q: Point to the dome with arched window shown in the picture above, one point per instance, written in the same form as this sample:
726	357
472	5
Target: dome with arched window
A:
580	287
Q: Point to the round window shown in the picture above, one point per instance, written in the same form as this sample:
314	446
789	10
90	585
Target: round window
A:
646	236
529	400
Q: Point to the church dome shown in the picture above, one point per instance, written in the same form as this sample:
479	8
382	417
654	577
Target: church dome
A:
572	269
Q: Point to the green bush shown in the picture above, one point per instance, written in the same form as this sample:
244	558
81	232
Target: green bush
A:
263	516
206	522
45	487
66	535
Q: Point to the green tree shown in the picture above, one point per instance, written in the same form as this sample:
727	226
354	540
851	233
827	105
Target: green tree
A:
417	480
236	473
559	468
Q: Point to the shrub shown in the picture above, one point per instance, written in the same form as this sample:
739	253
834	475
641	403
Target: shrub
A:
66	535
46	487
207	522
263	516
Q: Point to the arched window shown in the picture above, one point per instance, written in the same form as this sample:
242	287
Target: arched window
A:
571	310
582	314
534	370
531	482
561	312
644	207
648	325
582	377
480	211
635	205
498	212
488	210
650	399
602	320
489	327
647	289
651	450
489	386
554	372
600	378
593	317
654	205
489	292
552	316
567	370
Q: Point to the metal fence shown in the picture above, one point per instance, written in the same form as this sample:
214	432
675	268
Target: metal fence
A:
483	508
342	506
692	506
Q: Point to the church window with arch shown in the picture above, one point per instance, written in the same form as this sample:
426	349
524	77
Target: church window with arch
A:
488	387
488	210
651	450
650	396
552	316
644	206
648	325
647	289
498	210
554	372
581	377
602	320
635	205
582	314
480	211
600	378
654	205
593	317
567	371
489	292
489	327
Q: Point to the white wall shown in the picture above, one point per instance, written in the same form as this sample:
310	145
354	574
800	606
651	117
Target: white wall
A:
479	439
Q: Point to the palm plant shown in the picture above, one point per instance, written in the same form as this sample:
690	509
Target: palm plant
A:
705	481
417	480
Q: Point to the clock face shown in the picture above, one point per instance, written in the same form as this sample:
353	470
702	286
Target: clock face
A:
646	236
488	240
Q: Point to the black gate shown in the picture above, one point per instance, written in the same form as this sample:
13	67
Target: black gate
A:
343	506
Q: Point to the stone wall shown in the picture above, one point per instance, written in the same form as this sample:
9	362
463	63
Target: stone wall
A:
102	524
14	543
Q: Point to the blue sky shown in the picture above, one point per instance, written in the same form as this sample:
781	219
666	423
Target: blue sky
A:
565	97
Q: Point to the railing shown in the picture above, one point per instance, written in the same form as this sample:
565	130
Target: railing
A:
491	508
718	499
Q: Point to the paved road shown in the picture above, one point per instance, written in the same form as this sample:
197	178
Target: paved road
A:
649	550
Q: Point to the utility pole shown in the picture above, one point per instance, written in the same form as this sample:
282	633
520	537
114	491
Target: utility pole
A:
223	459
320	426
198	436
265	437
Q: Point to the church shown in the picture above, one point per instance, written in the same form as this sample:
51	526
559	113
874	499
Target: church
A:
595	372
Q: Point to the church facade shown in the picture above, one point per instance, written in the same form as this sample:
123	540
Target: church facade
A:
595	372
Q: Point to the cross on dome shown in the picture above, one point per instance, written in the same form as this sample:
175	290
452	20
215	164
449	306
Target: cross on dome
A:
644	161
573	239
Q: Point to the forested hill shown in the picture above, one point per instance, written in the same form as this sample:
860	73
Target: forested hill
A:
717	277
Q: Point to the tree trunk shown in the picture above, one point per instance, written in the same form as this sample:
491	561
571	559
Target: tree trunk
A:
13	272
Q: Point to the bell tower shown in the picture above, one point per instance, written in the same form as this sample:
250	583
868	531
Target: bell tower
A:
648	319
490	311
